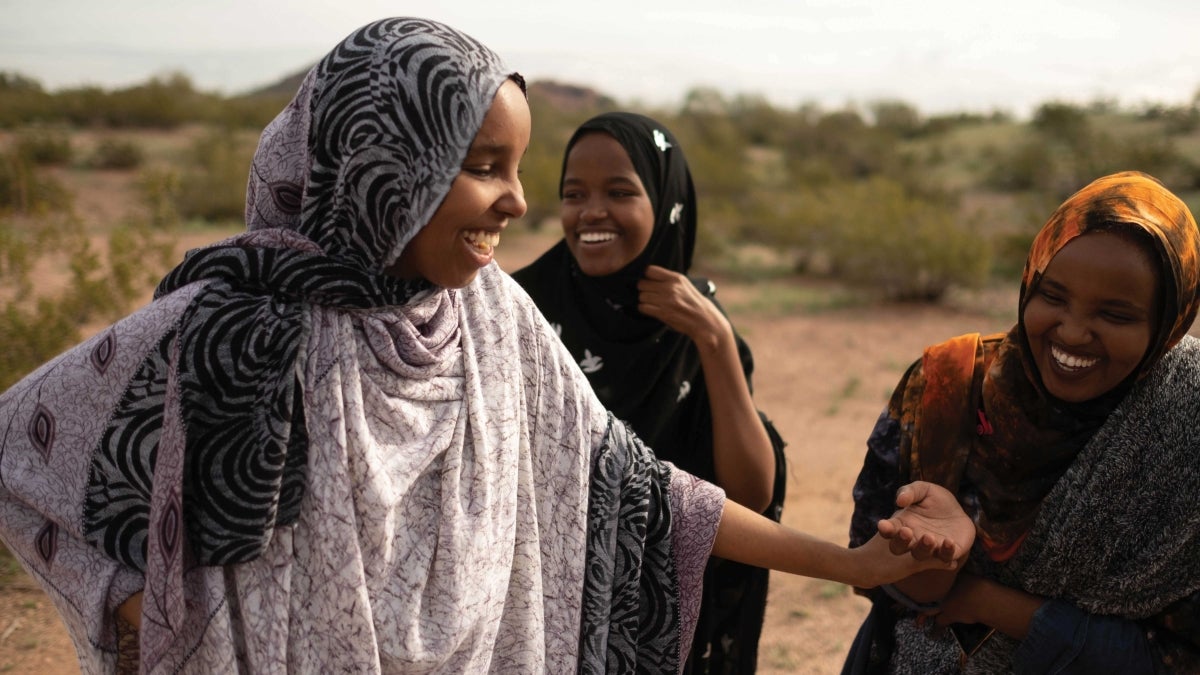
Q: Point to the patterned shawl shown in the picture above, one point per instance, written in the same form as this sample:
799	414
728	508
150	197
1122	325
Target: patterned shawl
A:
308	465
1072	500
650	375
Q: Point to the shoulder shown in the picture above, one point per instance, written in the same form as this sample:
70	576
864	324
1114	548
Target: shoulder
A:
1173	382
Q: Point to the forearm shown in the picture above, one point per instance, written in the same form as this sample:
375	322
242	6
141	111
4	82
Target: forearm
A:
743	458
1006	609
746	537
927	587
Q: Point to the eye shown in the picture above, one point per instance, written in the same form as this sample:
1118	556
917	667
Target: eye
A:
1050	297
621	194
479	171
1118	317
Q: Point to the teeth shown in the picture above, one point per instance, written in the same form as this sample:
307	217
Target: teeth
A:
483	240
1070	361
596	237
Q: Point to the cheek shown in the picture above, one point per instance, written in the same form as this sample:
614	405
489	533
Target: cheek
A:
1037	318
641	221
568	216
1133	345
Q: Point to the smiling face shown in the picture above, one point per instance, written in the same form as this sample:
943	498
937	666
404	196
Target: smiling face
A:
607	216
1091	318
461	237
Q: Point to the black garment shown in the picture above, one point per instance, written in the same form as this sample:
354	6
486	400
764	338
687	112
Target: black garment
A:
650	375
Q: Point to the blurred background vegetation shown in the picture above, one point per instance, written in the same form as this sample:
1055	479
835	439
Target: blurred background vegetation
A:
98	185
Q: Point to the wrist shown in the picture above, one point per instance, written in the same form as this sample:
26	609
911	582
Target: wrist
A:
920	607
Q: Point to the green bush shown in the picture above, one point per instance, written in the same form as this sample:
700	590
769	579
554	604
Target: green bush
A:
213	186
101	283
115	153
24	190
878	235
45	147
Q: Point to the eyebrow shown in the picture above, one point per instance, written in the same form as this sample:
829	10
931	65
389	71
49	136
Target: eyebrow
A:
607	181
487	148
1115	303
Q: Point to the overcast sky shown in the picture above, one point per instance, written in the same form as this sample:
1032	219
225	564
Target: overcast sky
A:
939	55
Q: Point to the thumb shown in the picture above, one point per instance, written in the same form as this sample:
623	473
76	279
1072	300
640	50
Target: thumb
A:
912	493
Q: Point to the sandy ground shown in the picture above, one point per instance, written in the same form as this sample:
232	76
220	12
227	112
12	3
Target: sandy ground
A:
822	377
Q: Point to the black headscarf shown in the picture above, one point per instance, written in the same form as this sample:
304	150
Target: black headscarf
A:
650	375
644	372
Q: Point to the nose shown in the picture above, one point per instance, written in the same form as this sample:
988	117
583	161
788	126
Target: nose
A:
592	211
1073	330
512	202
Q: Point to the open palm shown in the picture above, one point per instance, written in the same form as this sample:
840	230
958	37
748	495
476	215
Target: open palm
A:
929	522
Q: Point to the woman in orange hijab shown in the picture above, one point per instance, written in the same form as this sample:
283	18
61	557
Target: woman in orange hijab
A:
1073	444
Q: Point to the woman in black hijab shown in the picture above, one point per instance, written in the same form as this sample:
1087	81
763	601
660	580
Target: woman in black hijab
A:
658	349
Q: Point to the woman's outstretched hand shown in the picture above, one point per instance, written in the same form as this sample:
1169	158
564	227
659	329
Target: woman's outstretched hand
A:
929	523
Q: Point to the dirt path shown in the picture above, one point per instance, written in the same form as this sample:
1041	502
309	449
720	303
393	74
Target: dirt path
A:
823	378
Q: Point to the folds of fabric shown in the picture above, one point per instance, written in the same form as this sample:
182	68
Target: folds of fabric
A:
493	463
1115	534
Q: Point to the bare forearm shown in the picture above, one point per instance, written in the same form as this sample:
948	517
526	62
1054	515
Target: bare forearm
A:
746	537
1006	609
927	587
743	458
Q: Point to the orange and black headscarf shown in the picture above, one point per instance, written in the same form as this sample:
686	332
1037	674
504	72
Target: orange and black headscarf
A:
973	411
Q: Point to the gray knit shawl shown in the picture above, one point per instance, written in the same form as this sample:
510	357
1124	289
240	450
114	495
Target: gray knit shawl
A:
1120	532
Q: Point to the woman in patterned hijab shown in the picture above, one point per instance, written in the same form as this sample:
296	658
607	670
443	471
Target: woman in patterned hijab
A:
657	347
345	441
1070	441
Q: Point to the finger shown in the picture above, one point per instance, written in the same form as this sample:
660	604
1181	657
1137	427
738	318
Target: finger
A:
911	494
660	273
887	528
923	549
948	551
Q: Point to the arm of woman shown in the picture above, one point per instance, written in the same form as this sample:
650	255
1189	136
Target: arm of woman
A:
1055	636
931	526
743	458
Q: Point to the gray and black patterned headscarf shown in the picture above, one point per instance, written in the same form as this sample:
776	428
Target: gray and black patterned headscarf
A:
370	145
342	180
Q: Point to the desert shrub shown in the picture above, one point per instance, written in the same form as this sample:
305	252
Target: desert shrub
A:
878	235
35	324
44	146
159	189
897	118
24	190
115	153
22	101
213	186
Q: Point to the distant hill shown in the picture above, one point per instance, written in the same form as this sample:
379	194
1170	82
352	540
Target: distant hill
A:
560	95
285	87
570	97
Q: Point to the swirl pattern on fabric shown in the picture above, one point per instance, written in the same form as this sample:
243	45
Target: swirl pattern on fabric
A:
630	599
380	151
376	179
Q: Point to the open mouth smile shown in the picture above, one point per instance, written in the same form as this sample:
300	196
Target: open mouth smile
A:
482	241
1071	362
596	237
